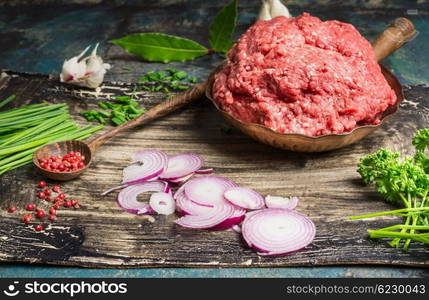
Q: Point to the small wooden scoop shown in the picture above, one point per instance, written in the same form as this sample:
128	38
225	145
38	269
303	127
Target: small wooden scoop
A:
88	148
397	34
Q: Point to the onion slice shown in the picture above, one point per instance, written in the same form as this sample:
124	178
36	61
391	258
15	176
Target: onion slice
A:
181	165
167	188
146	165
244	197
236	218
127	198
215	216
281	202
204	171
118	187
180	180
236	228
207	190
162	203
276	231
187	207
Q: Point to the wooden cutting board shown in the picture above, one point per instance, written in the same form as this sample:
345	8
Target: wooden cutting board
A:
100	234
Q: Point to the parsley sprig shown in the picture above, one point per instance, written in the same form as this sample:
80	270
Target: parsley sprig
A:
404	182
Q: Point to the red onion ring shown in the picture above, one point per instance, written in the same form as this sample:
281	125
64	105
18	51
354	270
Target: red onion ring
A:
204	171
236	218
281	202
167	189
180	180
127	198
187	207
162	203
236	228
251	213
146	165
181	165
207	190
276	231
114	189
216	216
244	197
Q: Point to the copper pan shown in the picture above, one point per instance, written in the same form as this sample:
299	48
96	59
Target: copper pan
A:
396	35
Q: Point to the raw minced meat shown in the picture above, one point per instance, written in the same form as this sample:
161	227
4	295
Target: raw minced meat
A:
302	75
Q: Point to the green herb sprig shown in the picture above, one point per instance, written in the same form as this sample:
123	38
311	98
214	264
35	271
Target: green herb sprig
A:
405	183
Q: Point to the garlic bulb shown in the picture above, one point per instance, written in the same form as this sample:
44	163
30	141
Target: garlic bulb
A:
86	72
271	9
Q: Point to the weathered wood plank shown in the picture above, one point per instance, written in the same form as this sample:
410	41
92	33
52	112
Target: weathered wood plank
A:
100	234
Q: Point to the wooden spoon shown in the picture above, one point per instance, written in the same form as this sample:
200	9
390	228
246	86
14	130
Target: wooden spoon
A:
88	148
397	34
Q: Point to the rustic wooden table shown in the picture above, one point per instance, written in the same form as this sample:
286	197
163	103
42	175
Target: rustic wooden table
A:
36	38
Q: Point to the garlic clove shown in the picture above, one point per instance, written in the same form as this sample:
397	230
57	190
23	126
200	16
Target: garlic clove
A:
93	62
264	12
86	72
72	69
271	9
279	9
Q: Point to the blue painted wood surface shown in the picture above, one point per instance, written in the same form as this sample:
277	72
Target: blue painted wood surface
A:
38	37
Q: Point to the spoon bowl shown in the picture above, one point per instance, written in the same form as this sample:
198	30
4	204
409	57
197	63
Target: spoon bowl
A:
62	148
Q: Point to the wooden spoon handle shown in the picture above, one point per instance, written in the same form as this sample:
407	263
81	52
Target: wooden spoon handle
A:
160	110
397	34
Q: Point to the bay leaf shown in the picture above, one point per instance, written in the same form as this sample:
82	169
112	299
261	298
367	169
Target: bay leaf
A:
222	28
161	47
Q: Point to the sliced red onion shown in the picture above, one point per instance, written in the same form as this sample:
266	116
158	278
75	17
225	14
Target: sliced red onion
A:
187	207
147	210
162	203
236	228
179	191
181	180
127	198
204	171
167	189
281	202
181	165
114	189
244	197
275	231
146	165
236	218
207	190
251	213
216	216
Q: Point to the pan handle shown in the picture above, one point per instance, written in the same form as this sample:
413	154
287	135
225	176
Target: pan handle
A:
402	30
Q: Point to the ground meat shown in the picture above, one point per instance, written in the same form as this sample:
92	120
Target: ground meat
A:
302	75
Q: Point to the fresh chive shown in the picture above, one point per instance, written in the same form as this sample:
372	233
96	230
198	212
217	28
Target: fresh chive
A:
34	126
7	100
